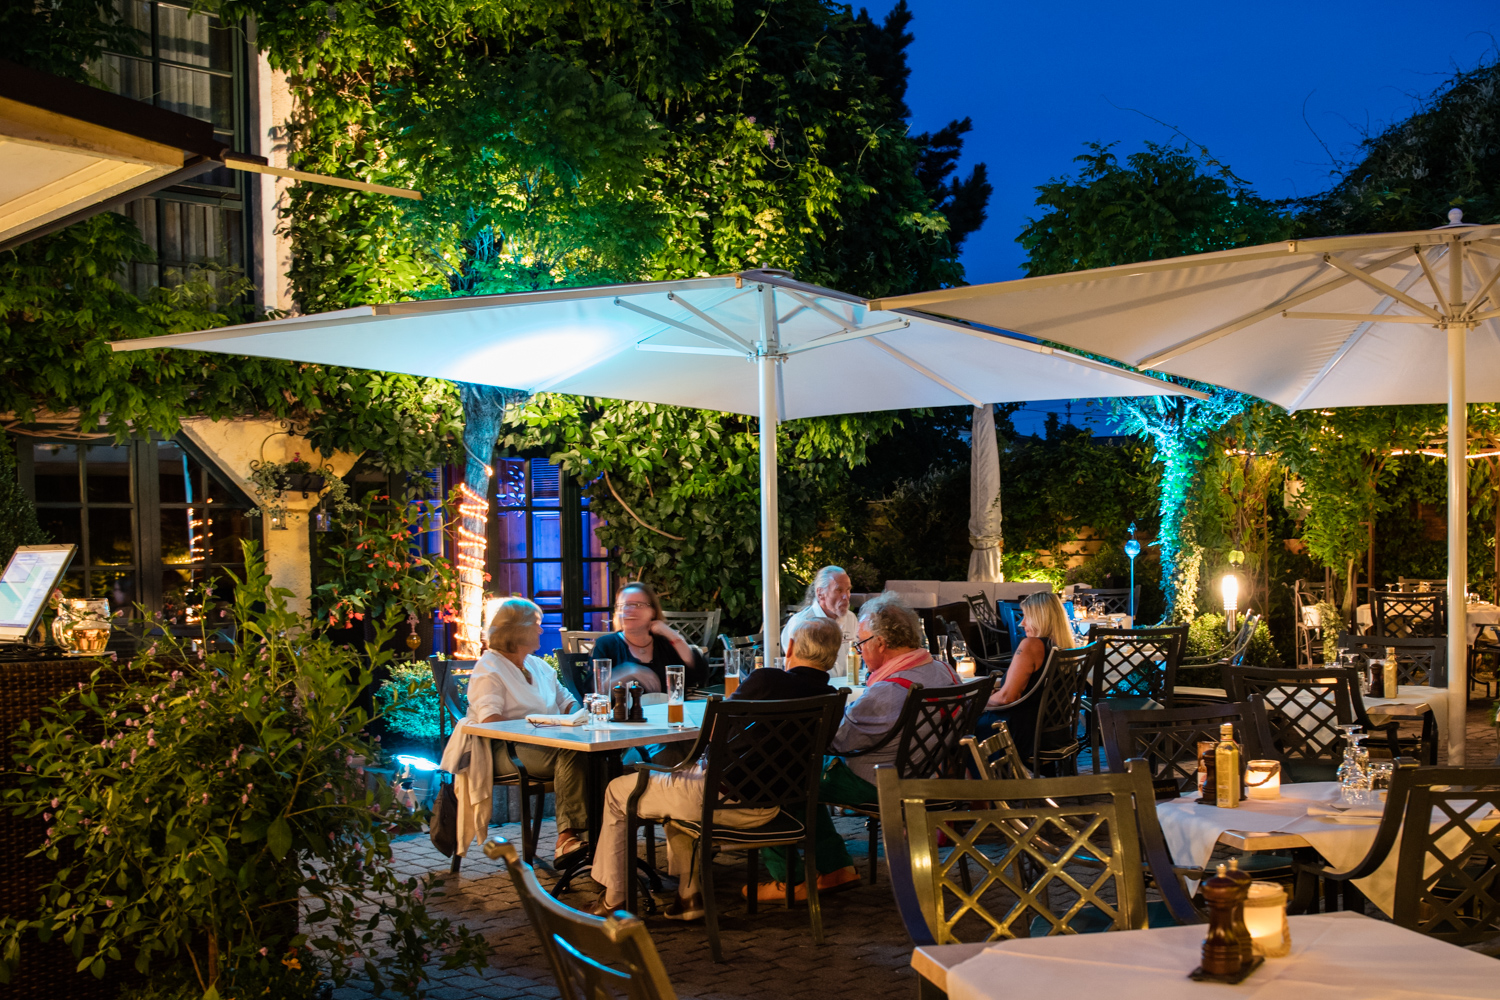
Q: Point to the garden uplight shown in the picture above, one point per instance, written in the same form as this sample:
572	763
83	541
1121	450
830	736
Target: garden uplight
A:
1231	589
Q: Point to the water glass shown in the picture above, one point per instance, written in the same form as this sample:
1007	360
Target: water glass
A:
676	693
1381	772
598	711
602	670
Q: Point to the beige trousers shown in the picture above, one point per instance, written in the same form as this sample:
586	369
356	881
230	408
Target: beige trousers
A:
678	795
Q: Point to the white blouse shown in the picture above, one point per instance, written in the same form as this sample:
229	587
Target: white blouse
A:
498	687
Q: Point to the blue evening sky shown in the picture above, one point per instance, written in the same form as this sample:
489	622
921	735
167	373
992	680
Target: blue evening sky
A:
1040	80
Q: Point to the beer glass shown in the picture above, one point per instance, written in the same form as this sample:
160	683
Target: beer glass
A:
676	693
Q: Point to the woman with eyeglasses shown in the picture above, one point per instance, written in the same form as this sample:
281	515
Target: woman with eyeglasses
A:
645	638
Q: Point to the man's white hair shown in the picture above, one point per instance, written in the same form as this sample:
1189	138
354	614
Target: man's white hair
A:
823	578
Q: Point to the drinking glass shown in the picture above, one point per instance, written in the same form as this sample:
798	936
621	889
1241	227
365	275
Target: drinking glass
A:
602	670
1381	772
733	663
598	711
676	693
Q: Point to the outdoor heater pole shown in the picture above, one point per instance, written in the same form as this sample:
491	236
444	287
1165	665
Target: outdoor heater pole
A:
770	542
1458	511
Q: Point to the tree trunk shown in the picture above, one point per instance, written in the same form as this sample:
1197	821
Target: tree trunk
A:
1181	556
484	410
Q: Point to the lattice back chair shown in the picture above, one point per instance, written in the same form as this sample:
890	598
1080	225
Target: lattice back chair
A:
994	649
1018	894
759	754
1134	668
1448	863
1306	595
1167	739
1419	660
592	958
450	678
1423	615
1111	600
1303	707
997	758
1416	585
697	627
1061	693
579	642
929	735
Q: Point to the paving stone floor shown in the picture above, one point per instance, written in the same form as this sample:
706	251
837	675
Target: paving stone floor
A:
771	955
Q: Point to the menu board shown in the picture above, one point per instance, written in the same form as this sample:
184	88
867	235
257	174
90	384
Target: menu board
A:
29	579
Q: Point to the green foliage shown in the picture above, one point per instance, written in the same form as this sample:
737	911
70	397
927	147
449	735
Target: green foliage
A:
62	37
680	488
1446	155
408	701
1206	636
18	521
372	570
191	805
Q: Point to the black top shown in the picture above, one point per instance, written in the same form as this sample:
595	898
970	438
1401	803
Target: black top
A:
613	647
779	685
1021	715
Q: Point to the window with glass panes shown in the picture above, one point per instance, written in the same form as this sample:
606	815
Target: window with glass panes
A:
543	546
154	525
192	64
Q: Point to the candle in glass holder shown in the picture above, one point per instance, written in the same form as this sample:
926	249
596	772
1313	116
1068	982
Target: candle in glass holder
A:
1265	917
966	667
1263	779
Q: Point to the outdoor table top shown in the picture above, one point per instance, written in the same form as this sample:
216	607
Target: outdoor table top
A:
1192	828
1333	955
619	735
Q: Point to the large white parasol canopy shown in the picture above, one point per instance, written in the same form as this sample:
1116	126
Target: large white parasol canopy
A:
1379	319
755	342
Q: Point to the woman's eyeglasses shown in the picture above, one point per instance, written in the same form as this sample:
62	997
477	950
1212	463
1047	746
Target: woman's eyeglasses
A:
634	606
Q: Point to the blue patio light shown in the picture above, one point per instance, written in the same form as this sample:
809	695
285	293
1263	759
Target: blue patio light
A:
1132	549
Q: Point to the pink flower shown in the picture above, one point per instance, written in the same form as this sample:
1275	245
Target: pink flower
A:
54	803
109	904
182	721
263	952
205	798
46	817
244	800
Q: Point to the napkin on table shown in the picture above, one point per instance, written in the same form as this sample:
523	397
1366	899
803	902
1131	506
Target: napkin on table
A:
578	718
1352	814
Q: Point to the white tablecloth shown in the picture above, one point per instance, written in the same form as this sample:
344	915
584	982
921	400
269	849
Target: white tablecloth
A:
1475	614
1192	830
1407	699
1346	956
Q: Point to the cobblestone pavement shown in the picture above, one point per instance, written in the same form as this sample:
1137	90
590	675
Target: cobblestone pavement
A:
771	955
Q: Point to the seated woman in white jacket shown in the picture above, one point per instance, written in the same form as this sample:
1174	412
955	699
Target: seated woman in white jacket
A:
510	683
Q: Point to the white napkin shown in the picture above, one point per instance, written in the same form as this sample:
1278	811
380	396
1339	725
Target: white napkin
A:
1351	814
578	718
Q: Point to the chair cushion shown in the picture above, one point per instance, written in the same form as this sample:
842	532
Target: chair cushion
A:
1259	863
781	827
1092	920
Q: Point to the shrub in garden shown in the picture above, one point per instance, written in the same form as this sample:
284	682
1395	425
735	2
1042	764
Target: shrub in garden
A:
1206	636
196	806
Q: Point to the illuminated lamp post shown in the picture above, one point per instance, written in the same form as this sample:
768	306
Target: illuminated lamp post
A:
1230	586
1132	549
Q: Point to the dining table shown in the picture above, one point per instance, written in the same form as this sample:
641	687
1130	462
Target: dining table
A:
1337	956
603	749
1308	814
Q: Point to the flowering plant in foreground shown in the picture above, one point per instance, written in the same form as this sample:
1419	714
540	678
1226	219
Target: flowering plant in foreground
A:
213	825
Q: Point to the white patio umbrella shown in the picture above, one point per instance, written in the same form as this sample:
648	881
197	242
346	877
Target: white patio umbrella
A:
756	342
1367	320
985	525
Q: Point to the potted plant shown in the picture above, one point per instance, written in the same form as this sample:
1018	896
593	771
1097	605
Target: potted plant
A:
192	806
272	480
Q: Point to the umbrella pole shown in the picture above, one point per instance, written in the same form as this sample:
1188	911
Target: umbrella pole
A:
1458	516
770	541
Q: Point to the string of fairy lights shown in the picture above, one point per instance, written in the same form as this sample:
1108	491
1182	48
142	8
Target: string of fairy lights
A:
469	560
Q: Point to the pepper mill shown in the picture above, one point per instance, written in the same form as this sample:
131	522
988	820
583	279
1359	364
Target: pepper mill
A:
637	711
1221	949
1241	932
618	708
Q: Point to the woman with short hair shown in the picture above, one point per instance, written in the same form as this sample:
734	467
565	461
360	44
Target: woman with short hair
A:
644	638
508	683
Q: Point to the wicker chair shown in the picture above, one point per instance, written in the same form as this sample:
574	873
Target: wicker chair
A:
758	754
1111	816
1448	878
592	958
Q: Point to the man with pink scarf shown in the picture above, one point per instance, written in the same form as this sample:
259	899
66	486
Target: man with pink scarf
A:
891	643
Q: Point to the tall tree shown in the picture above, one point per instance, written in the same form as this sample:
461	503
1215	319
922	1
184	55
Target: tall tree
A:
1160	202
